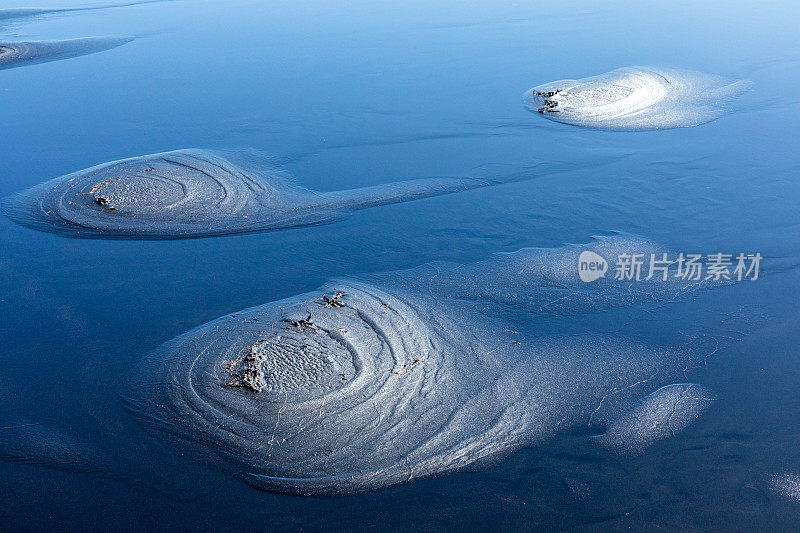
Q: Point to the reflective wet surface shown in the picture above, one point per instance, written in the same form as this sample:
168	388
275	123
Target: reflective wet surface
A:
364	94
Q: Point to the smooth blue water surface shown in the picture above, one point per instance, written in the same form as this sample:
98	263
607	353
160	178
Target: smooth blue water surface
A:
362	93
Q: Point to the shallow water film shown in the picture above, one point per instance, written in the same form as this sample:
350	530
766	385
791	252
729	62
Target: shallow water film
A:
435	289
